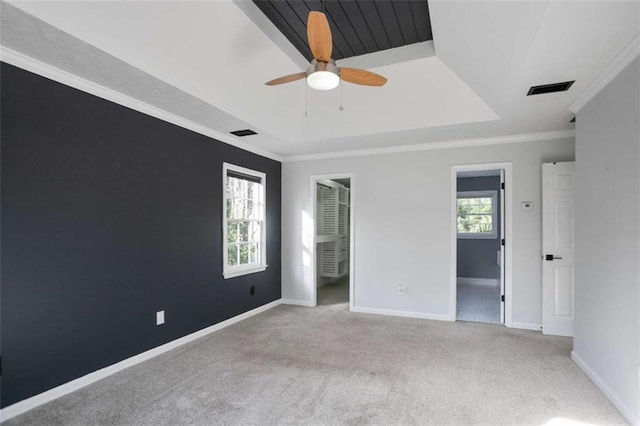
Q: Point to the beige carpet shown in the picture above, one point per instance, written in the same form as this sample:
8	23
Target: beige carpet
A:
325	365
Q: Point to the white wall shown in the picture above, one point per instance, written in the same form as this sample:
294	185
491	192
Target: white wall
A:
607	295
402	225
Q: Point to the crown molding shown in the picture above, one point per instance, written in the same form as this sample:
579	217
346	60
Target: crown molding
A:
619	63
459	143
43	69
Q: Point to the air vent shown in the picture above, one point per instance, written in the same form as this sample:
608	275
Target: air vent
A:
245	132
550	88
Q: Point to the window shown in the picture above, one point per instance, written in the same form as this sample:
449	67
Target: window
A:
244	234
477	214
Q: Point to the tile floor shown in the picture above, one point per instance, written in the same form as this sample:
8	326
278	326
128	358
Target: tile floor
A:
478	303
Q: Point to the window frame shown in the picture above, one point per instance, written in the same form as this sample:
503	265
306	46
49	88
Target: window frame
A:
493	194
239	270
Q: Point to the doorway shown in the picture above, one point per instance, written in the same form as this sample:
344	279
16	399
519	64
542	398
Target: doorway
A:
332	197
481	255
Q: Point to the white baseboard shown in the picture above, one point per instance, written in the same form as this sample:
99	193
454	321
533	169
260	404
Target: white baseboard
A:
489	282
408	314
526	326
606	390
297	302
64	389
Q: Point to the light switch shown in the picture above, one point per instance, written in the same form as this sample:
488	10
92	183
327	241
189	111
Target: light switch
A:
159	317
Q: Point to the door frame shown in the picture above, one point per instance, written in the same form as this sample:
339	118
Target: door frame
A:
508	235
352	229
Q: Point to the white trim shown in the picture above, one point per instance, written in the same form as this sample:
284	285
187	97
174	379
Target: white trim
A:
28	63
313	180
243	271
459	143
42	398
251	268
619	63
294	302
407	314
352	241
486	282
508	234
627	412
526	326
493	194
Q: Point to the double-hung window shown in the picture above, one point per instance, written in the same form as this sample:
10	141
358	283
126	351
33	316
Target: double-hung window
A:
477	214
244	233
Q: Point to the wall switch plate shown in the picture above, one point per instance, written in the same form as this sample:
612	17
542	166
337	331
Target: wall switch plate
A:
400	290
159	317
526	206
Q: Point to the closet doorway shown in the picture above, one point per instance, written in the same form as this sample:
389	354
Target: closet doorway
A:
481	252
333	197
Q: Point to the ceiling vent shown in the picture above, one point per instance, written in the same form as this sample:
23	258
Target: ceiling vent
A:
550	88
245	132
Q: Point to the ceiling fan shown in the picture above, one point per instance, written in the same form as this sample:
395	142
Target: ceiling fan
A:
322	73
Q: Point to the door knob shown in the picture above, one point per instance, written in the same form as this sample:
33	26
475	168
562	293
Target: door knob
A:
552	257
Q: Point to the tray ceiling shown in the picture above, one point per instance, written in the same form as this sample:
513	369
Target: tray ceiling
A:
358	27
207	62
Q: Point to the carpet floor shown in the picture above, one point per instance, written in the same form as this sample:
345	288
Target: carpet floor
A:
326	365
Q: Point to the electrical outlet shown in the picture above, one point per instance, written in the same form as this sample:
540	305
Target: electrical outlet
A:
159	317
400	290
252	290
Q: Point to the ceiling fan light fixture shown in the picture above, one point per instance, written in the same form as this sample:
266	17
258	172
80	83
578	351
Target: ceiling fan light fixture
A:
323	80
323	75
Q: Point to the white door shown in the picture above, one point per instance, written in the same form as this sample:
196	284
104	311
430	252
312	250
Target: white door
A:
502	254
558	218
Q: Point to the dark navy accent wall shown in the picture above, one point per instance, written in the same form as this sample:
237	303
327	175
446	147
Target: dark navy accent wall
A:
477	258
109	215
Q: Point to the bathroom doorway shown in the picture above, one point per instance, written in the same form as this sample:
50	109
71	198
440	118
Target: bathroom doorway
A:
480	222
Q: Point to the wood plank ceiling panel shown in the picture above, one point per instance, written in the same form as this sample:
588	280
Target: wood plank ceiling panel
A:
420	12
390	21
370	15
404	15
360	26
357	26
345	28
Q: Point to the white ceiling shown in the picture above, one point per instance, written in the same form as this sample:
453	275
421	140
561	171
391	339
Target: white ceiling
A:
487	54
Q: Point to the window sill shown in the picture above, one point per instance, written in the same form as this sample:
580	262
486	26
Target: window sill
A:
245	271
477	236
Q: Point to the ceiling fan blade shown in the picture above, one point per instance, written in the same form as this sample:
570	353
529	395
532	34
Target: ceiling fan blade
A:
287	79
319	35
358	76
